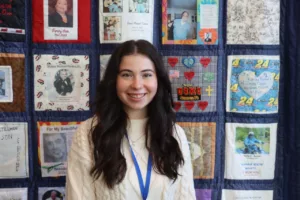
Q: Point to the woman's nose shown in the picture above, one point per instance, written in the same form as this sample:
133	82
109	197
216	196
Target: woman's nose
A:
137	83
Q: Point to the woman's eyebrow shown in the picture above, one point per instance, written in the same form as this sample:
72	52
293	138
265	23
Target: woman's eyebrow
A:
147	70
128	70
125	70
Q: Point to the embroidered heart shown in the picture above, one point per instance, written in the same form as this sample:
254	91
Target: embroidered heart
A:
205	61
177	106
173	61
188	62
256	86
189	105
202	105
189	75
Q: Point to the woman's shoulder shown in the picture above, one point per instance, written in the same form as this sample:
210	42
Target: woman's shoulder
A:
82	148
54	15
69	16
179	133
82	136
90	121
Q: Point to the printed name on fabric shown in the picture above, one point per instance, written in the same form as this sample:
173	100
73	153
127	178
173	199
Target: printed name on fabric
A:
143	188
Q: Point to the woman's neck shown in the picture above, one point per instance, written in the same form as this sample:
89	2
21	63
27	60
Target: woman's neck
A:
136	114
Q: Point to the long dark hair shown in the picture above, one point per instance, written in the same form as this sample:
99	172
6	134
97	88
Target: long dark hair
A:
111	119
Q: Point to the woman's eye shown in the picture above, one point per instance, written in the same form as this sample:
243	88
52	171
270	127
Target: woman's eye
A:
125	75
147	75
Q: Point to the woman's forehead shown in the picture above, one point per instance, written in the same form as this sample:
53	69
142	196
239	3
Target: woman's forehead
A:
136	62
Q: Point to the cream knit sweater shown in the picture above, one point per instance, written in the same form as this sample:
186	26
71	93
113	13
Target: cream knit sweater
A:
80	185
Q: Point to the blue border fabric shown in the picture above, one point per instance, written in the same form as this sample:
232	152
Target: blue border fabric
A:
286	184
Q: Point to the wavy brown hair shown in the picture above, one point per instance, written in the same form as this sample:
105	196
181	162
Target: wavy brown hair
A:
111	121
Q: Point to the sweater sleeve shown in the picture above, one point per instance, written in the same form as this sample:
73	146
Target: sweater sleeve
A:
186	188
79	183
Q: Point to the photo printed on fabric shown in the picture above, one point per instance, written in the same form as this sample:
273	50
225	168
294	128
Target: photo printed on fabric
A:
55	139
6	90
122	20
250	151
51	193
61	82
190	22
60	19
12	82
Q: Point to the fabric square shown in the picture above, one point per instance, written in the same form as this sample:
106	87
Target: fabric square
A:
57	27
61	82
253	84
73	25
55	139
12	20
6	92
250	151
203	194
192	22
122	20
12	78
13	150
253	22
194	82
201	138
247	194
13	193
45	193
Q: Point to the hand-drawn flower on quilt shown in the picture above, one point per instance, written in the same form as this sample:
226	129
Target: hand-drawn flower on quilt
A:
253	22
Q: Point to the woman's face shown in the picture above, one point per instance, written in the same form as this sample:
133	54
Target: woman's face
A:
136	84
61	6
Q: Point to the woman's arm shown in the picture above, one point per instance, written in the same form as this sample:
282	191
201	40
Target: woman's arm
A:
79	183
186	188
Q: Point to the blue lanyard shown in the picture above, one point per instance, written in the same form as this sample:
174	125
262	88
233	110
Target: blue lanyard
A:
143	188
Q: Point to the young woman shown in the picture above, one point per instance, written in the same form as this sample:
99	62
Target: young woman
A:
131	149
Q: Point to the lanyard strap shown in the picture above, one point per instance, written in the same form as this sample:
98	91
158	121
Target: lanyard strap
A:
143	188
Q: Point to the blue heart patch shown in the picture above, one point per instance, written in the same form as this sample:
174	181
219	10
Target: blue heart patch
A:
188	62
